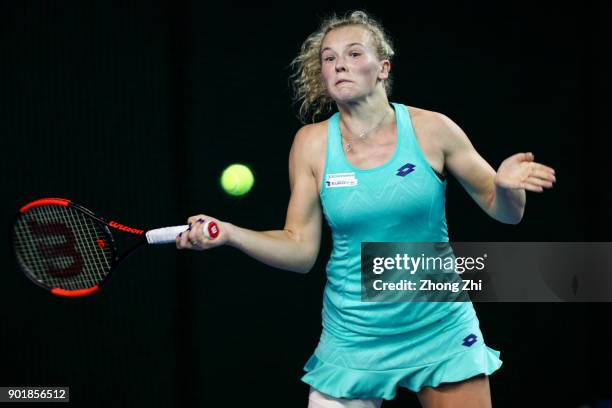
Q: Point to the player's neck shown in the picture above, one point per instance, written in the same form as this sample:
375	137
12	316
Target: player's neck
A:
364	114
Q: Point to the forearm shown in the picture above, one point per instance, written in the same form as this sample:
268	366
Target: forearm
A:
508	205
279	248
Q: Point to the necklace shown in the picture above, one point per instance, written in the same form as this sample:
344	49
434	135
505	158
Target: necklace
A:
364	134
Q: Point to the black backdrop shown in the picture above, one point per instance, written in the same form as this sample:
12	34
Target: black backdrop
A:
133	109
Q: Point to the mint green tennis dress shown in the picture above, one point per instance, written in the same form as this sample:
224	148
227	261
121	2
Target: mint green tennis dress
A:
367	349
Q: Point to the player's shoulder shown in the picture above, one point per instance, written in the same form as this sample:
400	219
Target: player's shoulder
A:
436	125
311	138
430	119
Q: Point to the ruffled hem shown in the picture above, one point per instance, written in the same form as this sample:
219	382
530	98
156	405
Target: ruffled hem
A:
343	382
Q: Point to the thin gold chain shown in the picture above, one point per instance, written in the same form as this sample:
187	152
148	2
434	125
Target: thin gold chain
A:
363	134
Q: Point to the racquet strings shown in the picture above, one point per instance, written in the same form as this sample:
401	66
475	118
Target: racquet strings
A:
60	247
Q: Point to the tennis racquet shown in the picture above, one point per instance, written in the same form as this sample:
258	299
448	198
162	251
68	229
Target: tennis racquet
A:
68	250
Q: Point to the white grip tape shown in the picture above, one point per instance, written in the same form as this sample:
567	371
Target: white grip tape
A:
168	234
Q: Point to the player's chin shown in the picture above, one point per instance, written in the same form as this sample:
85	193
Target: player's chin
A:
345	97
345	94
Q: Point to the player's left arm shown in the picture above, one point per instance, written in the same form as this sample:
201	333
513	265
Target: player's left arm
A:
501	193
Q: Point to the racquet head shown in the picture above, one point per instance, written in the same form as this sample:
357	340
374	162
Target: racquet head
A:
63	247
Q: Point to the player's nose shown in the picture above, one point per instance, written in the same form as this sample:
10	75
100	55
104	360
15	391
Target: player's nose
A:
340	65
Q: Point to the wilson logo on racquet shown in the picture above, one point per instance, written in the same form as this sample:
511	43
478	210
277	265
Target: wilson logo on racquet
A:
213	230
52	253
125	228
69	251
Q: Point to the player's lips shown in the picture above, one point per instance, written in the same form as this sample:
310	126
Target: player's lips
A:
341	81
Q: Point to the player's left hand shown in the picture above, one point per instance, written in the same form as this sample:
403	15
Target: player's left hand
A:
520	171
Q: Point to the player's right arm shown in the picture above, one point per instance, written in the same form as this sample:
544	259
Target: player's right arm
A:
296	246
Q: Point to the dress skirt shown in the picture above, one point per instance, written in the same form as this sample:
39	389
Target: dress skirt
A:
352	365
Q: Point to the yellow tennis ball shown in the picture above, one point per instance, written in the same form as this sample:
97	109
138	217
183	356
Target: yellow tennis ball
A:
237	179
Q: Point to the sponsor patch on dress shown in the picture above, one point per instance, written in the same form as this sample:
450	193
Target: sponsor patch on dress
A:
341	180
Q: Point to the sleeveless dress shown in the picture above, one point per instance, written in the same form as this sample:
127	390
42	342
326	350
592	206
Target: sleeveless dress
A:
367	349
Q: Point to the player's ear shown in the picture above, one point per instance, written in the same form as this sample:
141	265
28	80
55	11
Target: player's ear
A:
385	68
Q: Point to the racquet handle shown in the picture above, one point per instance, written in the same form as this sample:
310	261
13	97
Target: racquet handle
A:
168	234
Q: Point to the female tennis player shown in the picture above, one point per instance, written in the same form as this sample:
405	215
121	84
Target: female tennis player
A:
376	170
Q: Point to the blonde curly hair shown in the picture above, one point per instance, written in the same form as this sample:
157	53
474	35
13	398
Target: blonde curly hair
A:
308	87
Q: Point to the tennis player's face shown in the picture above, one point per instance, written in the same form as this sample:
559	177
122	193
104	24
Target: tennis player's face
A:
349	65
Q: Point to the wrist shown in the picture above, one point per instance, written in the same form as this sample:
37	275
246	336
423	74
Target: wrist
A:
504	188
499	185
232	233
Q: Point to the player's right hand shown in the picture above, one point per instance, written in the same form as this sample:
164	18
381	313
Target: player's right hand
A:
194	237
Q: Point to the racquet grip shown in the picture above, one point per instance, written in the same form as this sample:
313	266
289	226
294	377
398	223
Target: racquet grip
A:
168	235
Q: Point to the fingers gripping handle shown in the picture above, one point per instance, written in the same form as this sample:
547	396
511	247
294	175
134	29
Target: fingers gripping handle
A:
168	234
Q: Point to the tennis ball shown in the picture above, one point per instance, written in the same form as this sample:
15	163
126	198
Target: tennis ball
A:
237	179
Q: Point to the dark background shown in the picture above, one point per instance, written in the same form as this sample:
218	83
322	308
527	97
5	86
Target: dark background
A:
134	108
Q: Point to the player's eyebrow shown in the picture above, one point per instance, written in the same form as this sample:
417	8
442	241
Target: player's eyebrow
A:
349	45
